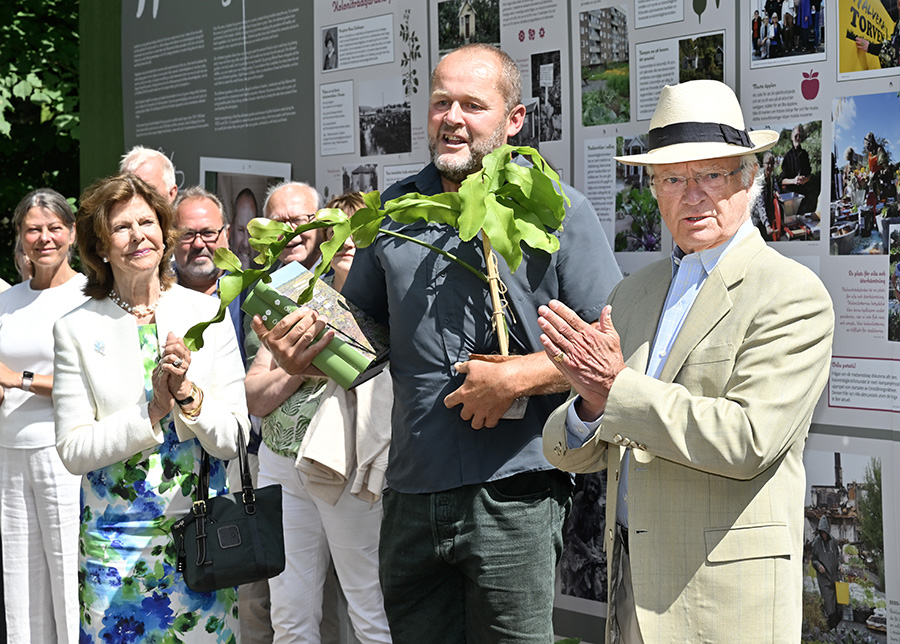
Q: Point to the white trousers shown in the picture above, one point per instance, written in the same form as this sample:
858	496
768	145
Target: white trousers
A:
314	533
39	524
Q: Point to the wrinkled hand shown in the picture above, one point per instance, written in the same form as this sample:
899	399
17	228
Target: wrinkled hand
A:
486	393
175	360
588	355
292	341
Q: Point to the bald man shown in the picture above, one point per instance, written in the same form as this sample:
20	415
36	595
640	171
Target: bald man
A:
153	167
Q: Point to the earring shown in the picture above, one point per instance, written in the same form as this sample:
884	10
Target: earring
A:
106	260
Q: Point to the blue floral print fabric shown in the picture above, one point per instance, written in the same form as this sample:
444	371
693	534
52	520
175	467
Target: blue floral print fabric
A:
129	589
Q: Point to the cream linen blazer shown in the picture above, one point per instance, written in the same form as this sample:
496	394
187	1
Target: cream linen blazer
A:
98	386
716	481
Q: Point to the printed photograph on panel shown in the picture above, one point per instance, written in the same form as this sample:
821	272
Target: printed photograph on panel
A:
701	58
360	178
243	196
530	134
638	222
786	207
605	80
786	32
864	173
870	38
582	566
329	48
461	22
893	309
385	125
546	88
843	549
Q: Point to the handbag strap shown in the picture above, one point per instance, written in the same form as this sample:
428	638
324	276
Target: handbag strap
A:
199	507
246	481
247	494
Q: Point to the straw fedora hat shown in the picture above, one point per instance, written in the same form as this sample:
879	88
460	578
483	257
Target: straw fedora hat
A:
697	120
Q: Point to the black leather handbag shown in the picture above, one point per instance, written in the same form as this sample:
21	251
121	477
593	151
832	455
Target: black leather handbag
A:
230	539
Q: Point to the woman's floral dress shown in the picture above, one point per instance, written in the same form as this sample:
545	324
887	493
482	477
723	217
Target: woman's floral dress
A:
129	590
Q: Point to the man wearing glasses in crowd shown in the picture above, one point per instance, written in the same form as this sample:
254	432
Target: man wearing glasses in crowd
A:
202	228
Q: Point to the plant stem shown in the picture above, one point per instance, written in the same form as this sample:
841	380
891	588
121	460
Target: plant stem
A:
499	321
449	256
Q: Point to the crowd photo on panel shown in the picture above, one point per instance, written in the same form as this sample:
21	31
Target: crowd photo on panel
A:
788	28
427	502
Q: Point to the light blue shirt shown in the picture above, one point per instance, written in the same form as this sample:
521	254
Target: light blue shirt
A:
689	273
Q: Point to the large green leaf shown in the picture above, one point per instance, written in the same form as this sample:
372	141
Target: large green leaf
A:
539	195
500	227
443	208
533	234
473	195
493	168
364	227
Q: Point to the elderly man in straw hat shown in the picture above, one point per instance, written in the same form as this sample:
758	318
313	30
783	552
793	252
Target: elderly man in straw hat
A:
695	389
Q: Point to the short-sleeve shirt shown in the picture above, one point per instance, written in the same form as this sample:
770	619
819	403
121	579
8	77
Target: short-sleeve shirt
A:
439	314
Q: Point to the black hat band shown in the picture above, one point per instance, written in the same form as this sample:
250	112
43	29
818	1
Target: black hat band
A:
694	132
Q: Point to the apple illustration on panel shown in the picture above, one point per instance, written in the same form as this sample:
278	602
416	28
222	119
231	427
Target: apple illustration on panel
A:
810	85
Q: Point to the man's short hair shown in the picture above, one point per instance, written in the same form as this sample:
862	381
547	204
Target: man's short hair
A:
509	83
297	184
199	192
139	155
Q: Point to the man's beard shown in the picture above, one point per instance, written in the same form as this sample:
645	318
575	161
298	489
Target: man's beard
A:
455	169
199	272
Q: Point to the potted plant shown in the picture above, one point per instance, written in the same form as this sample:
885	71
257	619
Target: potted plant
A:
506	203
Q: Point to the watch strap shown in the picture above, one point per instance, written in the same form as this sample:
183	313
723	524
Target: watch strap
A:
190	397
27	380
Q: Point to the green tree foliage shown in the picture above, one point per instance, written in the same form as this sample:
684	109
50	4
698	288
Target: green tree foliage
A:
38	107
869	508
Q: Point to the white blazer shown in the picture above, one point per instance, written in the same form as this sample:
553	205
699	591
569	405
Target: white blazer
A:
99	402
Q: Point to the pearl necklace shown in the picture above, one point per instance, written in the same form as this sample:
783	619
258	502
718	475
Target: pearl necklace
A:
138	310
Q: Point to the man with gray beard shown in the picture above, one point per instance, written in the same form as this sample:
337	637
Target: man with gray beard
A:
472	525
201	228
473	513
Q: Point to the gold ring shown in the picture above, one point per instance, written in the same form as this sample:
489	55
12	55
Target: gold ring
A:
560	356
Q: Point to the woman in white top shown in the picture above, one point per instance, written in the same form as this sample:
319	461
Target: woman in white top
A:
39	499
